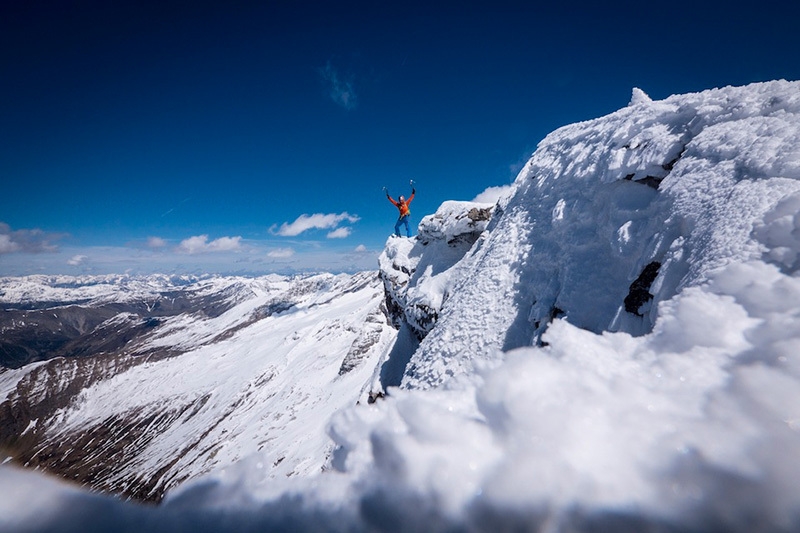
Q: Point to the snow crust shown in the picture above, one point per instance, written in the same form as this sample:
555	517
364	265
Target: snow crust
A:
544	397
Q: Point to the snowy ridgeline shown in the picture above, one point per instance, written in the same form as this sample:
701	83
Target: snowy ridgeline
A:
138	389
618	349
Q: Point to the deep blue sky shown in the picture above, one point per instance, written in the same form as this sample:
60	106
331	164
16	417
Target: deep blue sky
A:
126	121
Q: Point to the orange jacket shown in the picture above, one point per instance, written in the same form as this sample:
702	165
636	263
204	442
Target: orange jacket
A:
402	206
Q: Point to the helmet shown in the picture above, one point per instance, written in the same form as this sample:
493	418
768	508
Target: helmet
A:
402	198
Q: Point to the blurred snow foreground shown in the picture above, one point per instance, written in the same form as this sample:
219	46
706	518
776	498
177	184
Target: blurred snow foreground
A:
613	346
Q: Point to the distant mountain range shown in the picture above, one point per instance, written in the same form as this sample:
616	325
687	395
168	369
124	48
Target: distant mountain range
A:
132	385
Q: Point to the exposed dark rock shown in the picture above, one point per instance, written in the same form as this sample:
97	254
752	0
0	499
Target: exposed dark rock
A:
368	337
655	181
375	396
555	312
639	293
394	309
422	319
650	181
480	214
668	166
273	308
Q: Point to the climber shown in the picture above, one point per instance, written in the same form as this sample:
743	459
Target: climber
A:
402	205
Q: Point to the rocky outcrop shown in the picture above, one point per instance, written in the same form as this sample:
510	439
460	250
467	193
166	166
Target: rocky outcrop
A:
416	272
369	335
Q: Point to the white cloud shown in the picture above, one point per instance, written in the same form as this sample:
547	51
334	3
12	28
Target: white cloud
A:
339	89
316	221
77	260
200	244
281	253
7	245
360	249
492	194
340	233
156	242
26	240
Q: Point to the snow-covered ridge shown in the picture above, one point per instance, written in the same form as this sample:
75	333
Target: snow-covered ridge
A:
235	366
612	216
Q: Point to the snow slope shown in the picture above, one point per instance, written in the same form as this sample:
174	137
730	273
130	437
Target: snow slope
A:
619	350
265	374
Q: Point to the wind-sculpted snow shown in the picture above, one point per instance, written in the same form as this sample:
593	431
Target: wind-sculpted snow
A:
619	350
694	426
673	189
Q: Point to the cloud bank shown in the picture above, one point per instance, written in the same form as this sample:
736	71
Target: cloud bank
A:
329	221
26	240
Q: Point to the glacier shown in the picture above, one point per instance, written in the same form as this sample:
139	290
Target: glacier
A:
613	345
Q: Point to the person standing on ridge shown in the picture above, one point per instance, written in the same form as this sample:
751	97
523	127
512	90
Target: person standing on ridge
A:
402	206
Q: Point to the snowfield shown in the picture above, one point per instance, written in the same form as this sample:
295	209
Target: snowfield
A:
617	349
